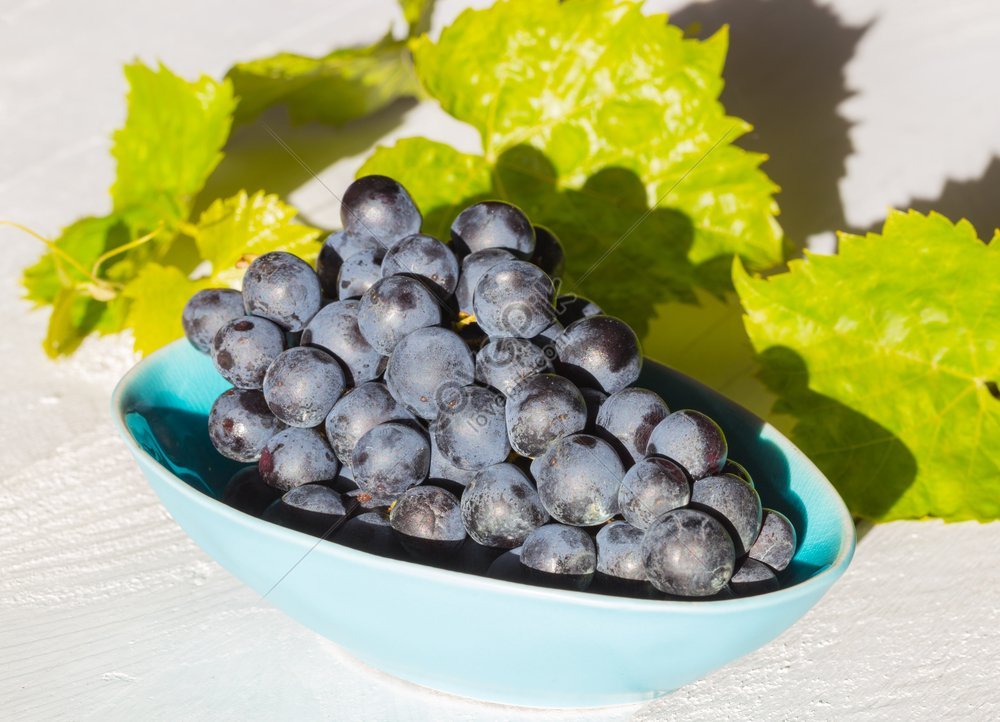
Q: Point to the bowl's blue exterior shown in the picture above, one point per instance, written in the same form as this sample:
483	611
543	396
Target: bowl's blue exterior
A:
471	635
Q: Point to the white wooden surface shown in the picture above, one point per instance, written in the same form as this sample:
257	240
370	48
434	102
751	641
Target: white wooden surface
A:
107	611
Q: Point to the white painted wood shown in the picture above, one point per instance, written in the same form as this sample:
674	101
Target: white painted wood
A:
107	611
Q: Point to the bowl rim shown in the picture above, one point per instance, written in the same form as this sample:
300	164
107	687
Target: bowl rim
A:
820	581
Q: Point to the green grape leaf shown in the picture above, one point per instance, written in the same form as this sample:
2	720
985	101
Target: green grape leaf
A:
336	88
238	228
228	234
886	358
603	124
171	141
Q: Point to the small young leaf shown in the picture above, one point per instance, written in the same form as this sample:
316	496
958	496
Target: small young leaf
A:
885	354
157	296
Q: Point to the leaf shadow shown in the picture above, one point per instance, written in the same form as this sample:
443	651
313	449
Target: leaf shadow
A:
619	251
870	466
785	73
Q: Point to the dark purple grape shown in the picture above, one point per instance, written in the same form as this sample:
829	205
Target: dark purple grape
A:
737	469
753	577
493	224
688	553
560	549
601	352
282	288
427	369
394	307
473	267
734	500
470	430
541	409
359	411
443	470
619	551
549	254
426	257
427	513
578	480
248	493
389	459
359	273
514	298
335	330
302	385
571	308
240	424
206	312
336	249
379	208
775	545
692	440
311	509
244	348
627	419
594	400
500	507
294	457
651	488
503	363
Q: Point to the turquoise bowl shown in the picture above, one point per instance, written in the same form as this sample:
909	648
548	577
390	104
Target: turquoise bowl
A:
471	635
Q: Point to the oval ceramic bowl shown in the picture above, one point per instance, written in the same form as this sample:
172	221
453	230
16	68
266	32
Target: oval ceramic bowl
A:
474	636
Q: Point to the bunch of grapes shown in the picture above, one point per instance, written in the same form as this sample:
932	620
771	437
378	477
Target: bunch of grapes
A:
445	402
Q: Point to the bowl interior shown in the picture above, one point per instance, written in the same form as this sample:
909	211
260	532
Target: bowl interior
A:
164	403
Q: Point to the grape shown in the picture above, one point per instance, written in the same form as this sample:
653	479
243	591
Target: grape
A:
692	440
651	488
336	249
503	363
513	298
578	479
282	288
738	470
294	457
379	208
394	307
570	308
469	429
427	368
493	224
559	549
248	493
426	257
628	417
775	545
500	507
548	339
594	399
359	273
240	424
370	532
206	312
311	509
428	513
473	267
361	410
541	409
735	501
619	551
389	459
243	349
335	330
443	470
601	352
302	385
688	553
549	254
754	577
